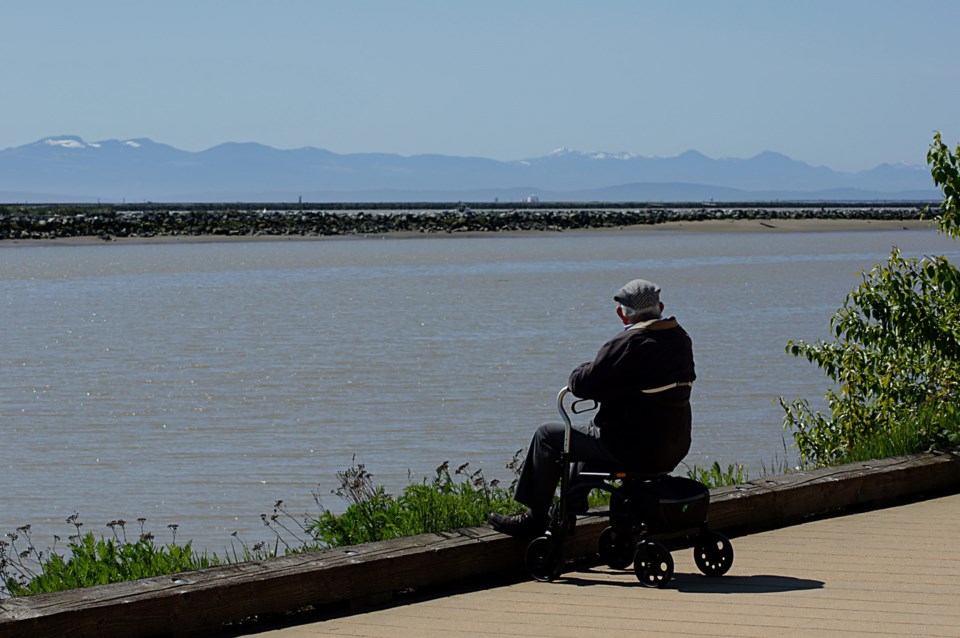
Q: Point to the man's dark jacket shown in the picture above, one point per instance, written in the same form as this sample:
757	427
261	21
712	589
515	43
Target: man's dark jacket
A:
648	431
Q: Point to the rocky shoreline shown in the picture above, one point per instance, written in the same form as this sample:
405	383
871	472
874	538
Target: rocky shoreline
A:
109	223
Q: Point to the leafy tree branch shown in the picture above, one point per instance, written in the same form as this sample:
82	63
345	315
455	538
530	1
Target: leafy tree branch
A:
896	347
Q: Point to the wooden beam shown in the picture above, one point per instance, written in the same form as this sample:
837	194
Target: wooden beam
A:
200	602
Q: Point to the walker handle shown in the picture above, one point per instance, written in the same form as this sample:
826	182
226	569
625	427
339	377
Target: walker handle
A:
564	391
574	409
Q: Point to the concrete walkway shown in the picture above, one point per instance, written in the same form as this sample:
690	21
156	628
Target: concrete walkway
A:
891	572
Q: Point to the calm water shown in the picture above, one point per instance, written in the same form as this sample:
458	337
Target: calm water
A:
197	383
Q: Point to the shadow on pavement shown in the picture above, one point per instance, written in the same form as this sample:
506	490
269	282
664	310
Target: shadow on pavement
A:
756	584
700	584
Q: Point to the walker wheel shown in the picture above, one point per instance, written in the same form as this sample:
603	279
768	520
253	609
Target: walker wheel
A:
653	565
713	554
616	548
543	559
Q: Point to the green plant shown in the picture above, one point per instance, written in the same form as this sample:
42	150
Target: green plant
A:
715	476
945	170
897	344
927	431
91	561
440	504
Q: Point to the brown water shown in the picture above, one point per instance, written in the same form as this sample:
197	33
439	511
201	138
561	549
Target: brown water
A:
197	383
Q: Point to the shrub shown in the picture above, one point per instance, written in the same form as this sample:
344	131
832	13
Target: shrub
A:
896	352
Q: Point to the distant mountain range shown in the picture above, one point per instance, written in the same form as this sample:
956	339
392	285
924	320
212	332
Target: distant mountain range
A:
68	169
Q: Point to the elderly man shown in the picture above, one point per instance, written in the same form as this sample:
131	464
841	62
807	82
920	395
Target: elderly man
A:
641	379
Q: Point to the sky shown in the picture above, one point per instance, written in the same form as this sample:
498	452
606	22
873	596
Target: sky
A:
847	84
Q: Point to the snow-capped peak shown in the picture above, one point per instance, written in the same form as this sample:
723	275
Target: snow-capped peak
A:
76	143
596	155
65	142
601	155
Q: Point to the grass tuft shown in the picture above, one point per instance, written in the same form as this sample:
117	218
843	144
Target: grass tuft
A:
928	430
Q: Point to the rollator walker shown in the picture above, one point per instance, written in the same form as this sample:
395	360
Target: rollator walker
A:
641	504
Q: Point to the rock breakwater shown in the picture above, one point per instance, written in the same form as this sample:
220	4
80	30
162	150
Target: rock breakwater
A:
108	223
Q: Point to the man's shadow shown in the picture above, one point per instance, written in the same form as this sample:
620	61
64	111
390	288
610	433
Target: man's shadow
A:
754	584
700	584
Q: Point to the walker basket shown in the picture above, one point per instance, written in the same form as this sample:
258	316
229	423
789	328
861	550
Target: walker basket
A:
675	503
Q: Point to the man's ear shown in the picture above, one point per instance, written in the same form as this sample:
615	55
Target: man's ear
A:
623	318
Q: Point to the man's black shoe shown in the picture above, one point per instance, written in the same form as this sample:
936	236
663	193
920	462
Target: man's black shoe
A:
523	525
